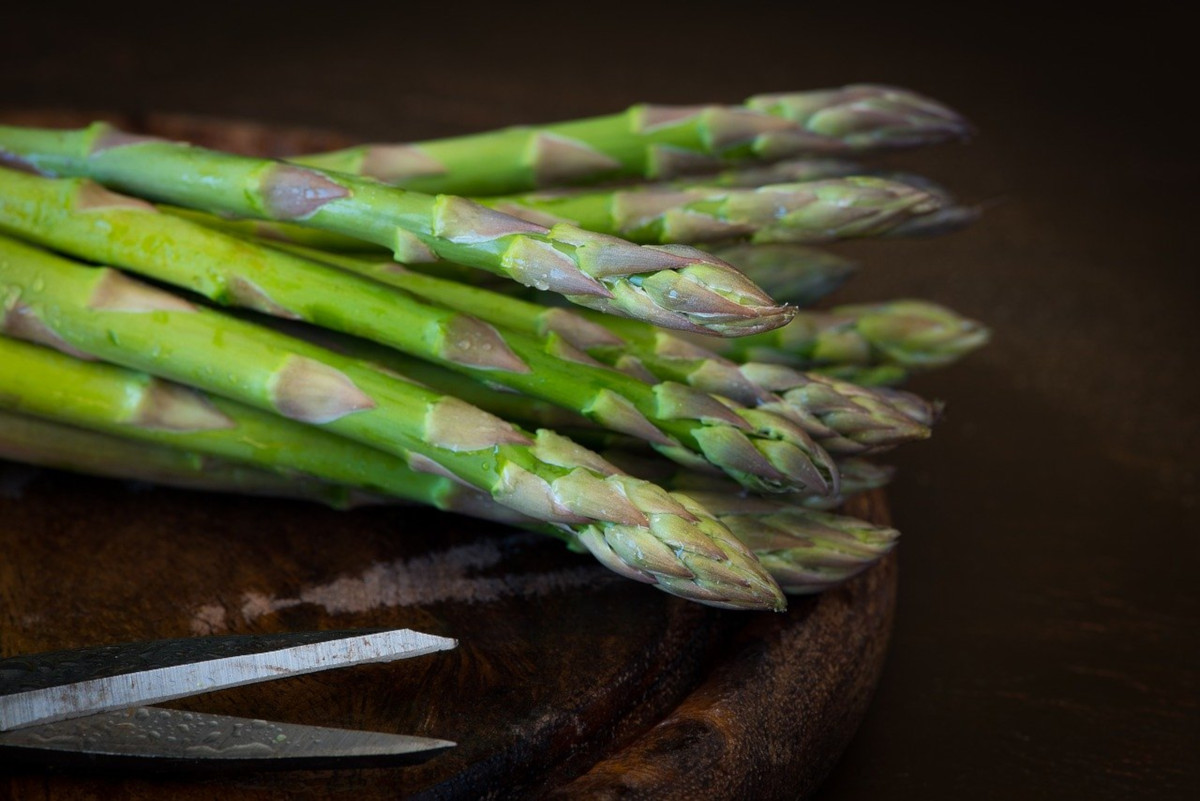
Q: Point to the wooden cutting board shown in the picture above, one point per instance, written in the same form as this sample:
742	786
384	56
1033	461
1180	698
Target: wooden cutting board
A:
568	681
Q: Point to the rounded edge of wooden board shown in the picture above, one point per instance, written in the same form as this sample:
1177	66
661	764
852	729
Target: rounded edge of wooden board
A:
775	713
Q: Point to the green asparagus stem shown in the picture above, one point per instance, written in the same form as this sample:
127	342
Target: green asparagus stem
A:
43	443
798	544
813	211
843	418
669	286
751	445
296	235
127	405
793	274
846	418
904	334
101	313
948	217
656	142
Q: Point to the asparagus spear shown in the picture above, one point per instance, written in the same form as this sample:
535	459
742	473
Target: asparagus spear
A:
671	202
848	418
857	474
90	222
798	543
299	235
789	273
812	211
44	443
126	405
669	286
950	216
805	550
101	313
904	334
656	142
918	409
845	418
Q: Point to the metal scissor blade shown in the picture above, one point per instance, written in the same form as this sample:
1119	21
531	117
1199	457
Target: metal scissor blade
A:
44	688
152	737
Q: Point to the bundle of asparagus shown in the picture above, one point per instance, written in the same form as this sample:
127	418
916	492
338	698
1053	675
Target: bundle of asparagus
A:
375	350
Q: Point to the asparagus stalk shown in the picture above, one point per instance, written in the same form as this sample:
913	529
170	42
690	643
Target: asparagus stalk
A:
44	443
656	142
812	211
793	274
126	406
670	286
797	543
101	313
904	334
297	235
837	414
950	216
772	178
754	446
844	419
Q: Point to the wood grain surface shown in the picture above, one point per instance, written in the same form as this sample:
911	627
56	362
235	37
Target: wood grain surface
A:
568	681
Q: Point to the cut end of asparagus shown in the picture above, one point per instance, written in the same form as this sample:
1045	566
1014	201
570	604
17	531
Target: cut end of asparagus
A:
864	117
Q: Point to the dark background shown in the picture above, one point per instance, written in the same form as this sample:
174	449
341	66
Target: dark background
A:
1046	643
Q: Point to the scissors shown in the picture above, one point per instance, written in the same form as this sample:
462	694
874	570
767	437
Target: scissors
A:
90	706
